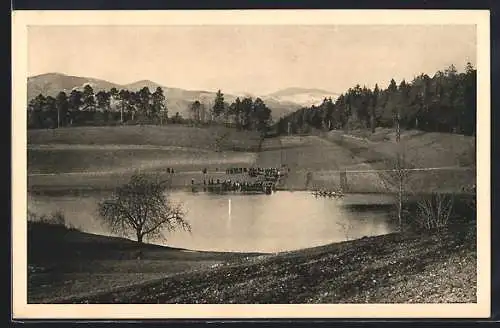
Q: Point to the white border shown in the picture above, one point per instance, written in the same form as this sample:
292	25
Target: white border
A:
20	21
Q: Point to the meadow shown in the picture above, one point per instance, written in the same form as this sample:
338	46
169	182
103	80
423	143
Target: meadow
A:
103	157
171	135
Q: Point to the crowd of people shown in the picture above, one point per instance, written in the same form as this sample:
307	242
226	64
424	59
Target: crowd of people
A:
236	170
257	180
268	172
237	186
261	180
255	171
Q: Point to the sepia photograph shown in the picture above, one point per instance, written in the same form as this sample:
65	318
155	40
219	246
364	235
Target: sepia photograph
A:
289	158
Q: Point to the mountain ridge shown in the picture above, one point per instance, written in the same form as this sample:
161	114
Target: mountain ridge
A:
281	102
294	90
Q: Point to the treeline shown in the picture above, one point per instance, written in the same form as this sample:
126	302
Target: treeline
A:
244	114
128	107
89	108
445	102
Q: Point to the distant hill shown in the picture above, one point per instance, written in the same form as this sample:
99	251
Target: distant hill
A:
302	96
281	102
293	91
52	83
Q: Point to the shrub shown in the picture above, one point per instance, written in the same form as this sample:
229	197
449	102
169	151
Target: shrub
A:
434	212
54	220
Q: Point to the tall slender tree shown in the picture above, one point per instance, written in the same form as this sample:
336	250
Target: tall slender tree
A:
62	106
159	107
373	107
219	105
145	101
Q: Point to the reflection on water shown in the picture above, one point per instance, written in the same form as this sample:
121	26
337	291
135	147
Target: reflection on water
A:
262	223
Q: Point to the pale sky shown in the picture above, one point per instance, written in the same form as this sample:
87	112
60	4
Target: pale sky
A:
255	59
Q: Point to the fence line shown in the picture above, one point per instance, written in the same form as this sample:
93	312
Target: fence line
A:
451	168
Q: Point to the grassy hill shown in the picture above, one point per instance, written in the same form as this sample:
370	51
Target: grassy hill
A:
116	152
420	150
171	135
436	267
64	261
315	161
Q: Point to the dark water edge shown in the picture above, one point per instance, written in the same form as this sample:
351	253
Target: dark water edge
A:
61	190
461	211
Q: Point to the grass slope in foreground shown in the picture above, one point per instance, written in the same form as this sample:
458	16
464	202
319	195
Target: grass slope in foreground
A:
435	267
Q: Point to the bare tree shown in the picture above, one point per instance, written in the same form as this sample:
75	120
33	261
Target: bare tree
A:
400	170
397	175
142	207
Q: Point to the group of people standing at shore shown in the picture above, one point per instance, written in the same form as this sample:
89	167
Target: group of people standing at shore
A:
255	171
270	177
230	185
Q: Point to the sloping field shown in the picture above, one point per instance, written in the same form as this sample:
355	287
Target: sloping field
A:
123	159
316	163
438	267
69	262
450	158
421	149
103	157
171	135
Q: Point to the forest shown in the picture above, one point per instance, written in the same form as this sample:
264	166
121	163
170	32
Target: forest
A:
113	107
445	102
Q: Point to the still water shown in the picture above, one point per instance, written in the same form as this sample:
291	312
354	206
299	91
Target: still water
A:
282	221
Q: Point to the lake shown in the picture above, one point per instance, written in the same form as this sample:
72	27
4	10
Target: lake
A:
282	221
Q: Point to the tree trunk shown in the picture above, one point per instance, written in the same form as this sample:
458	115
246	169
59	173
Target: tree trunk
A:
400	202
140	236
399	172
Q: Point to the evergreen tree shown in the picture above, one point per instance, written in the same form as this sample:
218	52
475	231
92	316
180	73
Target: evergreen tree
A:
219	105
88	98
159	108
